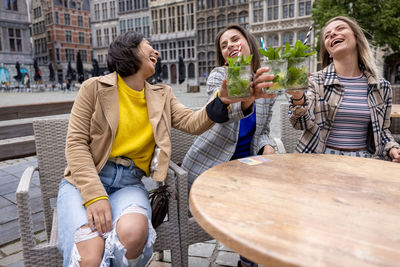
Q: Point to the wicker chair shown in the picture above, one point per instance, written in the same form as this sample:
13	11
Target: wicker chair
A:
50	138
190	230
289	135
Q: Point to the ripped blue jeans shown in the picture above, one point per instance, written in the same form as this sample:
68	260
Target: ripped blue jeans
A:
126	192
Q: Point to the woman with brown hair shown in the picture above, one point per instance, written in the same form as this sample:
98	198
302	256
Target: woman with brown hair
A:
346	109
248	134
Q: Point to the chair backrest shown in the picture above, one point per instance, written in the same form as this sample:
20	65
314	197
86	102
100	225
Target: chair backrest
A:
50	137
181	142
289	135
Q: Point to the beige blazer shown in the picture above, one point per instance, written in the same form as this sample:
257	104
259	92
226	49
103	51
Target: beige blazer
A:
93	125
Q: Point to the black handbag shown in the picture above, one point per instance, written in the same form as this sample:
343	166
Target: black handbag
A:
159	199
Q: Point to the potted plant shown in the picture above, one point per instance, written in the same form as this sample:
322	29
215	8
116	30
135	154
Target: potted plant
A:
277	67
298	66
238	77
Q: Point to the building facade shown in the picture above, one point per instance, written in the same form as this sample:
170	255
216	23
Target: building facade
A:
15	45
104	28
211	17
67	33
173	35
281	21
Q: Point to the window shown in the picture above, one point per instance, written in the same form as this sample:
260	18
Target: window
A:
273	40
210	4
113	33
232	18
221	3
211	30
201	4
190	48
48	36
221	22
145	4
104	9
0	41
258	11
96	12
171	15
164	52
146	27
163	20
81	37
98	36
244	19
112	9
201	31
129	25
67	19
83	55
122	27
181	18
288	9
100	58
70	55
78	6
121	5
37	12
288	38
128	5
202	65
68	36
58	54
106	37
211	61
49	18
154	17
172	50
80	21
181	49
57	19
138	24
231	2
302	36
11	5
191	16
273	9
14	36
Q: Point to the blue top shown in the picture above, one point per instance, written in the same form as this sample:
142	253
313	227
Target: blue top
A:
246	132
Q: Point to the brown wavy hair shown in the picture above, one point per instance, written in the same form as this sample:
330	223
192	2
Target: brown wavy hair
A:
255	62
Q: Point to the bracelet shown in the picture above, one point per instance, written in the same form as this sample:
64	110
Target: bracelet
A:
94	200
301	98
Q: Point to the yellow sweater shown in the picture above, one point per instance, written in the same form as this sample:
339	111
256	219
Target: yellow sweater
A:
134	138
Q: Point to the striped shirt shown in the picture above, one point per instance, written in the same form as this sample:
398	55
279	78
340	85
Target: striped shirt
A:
350	128
323	98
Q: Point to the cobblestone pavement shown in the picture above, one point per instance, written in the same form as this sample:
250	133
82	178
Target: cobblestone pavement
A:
210	253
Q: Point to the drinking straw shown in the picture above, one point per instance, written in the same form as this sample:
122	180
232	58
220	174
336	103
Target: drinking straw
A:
263	44
308	35
240	49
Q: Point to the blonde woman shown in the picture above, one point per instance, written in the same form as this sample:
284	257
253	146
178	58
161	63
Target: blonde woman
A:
346	109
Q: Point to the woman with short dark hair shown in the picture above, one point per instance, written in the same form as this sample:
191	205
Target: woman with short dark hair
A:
116	122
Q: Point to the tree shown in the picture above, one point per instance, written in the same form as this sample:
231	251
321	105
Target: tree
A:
379	19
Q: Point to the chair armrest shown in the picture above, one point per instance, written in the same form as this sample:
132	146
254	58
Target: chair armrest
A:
182	186
279	145
24	208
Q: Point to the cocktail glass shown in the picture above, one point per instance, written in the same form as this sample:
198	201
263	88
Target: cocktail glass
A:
278	68
297	74
238	81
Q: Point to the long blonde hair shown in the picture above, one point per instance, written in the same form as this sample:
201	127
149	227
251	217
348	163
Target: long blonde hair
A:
365	58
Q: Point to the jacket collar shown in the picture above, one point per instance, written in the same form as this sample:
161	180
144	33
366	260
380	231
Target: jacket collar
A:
108	95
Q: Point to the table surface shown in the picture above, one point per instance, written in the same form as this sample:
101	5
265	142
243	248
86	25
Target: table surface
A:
395	111
303	210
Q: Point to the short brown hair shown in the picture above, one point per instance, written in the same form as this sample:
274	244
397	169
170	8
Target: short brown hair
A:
123	54
255	62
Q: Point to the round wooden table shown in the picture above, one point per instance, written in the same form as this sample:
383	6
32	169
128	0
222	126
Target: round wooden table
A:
303	210
395	111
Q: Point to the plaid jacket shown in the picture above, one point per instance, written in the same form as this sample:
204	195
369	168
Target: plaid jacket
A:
323	99
218	144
